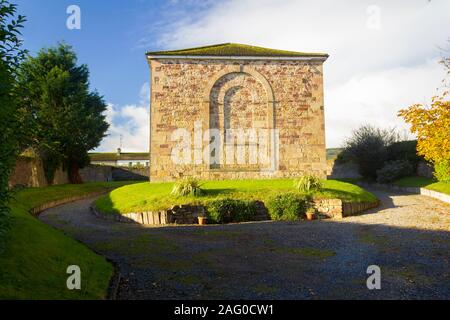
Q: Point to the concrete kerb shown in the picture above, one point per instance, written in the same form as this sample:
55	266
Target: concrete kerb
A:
414	190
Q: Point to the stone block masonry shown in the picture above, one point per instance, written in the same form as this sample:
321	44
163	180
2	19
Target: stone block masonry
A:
285	96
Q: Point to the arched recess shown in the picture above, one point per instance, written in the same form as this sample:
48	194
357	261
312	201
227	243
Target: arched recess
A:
236	70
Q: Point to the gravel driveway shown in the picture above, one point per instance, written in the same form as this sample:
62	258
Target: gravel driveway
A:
408	238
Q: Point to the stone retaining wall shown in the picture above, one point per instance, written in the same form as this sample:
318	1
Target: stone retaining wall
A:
331	208
188	214
29	172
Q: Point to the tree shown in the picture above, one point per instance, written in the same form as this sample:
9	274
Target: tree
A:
66	119
431	124
367	147
10	55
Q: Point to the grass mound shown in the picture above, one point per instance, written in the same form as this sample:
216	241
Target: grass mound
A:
157	196
36	257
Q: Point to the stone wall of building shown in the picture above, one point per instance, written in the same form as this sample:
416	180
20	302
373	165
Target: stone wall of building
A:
197	95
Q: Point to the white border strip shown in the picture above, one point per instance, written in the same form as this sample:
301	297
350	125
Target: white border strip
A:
414	190
306	58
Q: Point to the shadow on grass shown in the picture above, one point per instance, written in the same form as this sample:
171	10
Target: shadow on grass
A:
217	192
345	196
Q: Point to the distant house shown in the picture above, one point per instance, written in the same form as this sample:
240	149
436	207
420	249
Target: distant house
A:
120	159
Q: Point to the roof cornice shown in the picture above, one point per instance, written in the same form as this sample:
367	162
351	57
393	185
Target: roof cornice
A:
195	57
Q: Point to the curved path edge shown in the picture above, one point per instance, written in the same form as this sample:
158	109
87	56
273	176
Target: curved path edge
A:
36	211
413	190
114	282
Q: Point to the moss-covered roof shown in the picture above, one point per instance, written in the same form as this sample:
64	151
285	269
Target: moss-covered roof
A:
235	49
110	156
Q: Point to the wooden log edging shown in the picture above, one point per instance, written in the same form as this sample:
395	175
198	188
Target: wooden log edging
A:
413	190
145	218
336	208
354	208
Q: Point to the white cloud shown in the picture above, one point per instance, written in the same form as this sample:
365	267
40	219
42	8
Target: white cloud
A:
371	72
131	122
376	98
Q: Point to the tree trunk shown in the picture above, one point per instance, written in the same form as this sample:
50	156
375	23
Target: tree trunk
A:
74	173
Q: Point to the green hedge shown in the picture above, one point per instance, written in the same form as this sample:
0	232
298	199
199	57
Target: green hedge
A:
230	210
394	170
442	171
288	206
404	150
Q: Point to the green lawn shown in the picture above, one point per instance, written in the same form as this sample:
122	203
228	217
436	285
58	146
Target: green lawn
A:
427	183
34	263
156	196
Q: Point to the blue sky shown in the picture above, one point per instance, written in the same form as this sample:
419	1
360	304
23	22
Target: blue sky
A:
383	54
108	42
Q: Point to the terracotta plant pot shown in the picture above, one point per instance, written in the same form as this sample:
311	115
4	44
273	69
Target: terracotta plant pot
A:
310	216
202	221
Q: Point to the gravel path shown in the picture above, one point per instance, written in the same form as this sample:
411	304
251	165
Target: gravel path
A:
408	238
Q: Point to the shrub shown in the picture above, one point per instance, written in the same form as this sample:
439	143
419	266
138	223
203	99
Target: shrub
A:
442	171
308	183
187	187
231	210
394	170
11	55
368	149
404	150
288	206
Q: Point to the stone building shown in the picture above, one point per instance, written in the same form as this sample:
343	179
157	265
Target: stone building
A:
233	111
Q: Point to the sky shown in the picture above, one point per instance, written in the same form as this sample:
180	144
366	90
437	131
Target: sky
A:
383	54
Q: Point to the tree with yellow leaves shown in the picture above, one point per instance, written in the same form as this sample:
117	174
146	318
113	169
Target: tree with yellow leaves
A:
431	124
